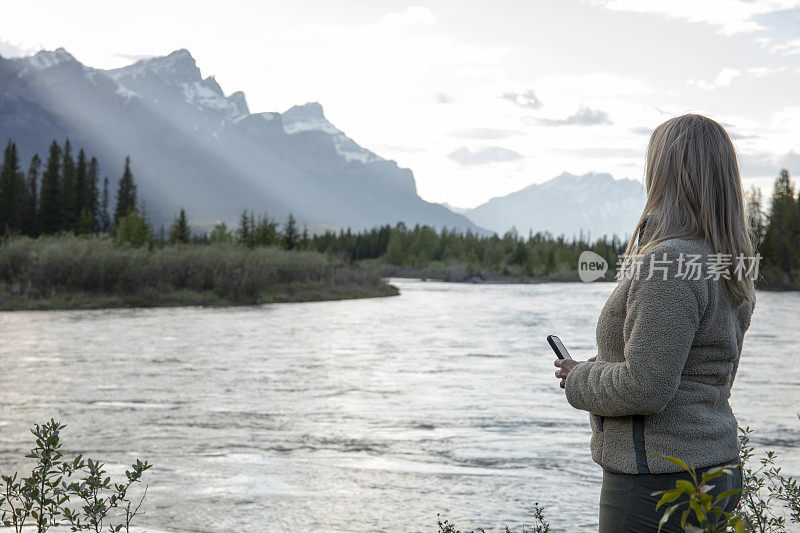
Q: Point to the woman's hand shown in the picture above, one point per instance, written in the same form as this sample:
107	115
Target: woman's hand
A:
564	366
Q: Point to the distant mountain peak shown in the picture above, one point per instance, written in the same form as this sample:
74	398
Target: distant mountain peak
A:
589	176
239	100
594	203
177	67
305	117
50	58
309	109
310	117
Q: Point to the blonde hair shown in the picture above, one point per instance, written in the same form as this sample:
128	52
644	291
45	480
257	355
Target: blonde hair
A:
694	191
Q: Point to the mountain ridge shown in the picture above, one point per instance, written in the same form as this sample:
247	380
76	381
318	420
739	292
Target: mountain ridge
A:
597	204
194	147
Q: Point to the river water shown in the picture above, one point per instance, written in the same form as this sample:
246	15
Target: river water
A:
362	415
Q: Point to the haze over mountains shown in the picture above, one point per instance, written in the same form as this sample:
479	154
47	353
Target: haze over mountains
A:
566	204
193	147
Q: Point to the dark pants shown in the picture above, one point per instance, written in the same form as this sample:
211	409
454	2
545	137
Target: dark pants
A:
626	504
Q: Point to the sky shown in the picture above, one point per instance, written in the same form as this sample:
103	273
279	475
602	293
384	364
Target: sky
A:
478	98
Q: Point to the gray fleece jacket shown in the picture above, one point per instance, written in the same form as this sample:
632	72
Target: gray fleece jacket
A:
668	351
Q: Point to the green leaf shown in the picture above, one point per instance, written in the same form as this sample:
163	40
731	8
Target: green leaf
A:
685	486
726	494
667	513
669	497
697	510
683	517
711	474
677	462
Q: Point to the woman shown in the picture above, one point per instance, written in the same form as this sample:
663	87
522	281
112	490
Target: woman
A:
670	335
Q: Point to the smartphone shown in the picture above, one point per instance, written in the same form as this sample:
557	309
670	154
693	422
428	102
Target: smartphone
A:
558	347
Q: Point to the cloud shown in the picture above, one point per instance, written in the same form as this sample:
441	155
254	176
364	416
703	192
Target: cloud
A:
741	136
8	50
760	72
599	152
484	133
790	161
413	16
583	117
642	130
723	79
728	16
784	31
442	98
788	48
766	164
491	154
133	57
525	99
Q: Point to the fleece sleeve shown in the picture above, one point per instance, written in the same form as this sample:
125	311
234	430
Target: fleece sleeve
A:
663	316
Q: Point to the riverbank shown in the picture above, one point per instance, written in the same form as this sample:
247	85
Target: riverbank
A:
68	272
772	280
458	272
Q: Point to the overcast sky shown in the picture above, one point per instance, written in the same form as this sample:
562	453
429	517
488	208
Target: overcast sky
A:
478	98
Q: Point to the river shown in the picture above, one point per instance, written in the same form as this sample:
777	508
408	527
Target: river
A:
361	415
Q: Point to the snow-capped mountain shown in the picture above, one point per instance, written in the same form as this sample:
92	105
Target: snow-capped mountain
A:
595	204
193	146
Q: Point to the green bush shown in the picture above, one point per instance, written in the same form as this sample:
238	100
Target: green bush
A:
53	267
77	493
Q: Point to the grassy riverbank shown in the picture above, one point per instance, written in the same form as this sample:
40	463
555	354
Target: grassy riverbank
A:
460	272
68	272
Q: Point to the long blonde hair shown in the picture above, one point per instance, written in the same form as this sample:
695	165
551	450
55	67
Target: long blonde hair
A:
694	191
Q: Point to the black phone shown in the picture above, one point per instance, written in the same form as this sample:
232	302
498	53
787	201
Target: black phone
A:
558	347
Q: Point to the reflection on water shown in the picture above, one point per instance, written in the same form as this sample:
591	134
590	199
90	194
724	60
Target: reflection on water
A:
351	416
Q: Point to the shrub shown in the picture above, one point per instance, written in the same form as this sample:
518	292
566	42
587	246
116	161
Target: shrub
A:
230	272
46	496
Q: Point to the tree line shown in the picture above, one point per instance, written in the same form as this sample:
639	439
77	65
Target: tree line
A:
62	195
66	195
776	232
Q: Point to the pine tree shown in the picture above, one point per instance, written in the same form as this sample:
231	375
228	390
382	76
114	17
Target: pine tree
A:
243	232
69	209
105	217
93	195
11	191
305	241
220	234
49	196
755	216
126	193
30	218
290	236
781	247
133	229
179	233
81	184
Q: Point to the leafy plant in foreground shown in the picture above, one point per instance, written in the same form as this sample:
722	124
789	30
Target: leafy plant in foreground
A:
709	515
539	523
45	496
763	486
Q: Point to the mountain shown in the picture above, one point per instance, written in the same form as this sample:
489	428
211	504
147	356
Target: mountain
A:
567	204
454	209
192	146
